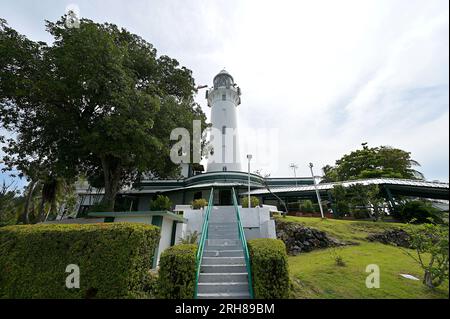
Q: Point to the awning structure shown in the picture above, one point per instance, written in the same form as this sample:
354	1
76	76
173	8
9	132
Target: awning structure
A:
406	187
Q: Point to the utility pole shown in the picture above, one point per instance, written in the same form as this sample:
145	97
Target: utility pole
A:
294	167
317	191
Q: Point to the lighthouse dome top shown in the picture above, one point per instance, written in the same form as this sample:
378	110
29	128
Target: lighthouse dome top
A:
223	79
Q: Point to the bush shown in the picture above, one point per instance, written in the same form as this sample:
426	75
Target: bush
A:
190	238
307	206
114	260
177	269
269	268
360	213
199	203
161	203
253	200
316	208
420	211
433	240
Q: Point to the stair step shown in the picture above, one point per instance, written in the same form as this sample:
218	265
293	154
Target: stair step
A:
220	277
223	287
223	242
226	295
224	236
223	253
223	268
222	260
223	230
222	247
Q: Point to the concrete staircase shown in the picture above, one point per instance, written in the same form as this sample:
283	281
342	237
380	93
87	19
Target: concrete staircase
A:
223	274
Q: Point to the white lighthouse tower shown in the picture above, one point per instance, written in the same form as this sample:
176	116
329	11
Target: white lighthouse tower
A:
223	99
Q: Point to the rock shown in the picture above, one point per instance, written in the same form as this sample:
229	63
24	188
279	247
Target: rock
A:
395	237
298	238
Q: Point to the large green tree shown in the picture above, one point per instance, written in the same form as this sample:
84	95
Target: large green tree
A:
100	101
372	162
37	144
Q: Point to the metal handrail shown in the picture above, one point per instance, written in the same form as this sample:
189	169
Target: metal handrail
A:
244	245
201	243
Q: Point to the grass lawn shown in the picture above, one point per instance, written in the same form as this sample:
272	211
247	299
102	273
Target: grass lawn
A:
315	274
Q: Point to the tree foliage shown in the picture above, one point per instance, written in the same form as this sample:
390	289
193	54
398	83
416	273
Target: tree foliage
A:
8	203
98	100
418	211
361	201
373	162
161	203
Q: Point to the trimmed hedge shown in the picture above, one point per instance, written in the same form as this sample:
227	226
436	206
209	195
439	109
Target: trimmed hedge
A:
114	260
269	265
177	270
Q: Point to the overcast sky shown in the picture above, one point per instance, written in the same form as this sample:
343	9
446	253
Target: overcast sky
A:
325	75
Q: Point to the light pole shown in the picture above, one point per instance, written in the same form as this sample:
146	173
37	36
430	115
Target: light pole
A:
317	191
294	167
249	157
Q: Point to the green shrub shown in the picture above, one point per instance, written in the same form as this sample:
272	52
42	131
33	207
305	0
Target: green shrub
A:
190	238
433	240
253	200
114	260
360	213
419	211
269	268
161	203
177	270
307	206
199	203
316	208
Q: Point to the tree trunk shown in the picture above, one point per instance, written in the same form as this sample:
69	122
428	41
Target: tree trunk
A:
25	217
41	212
112	171
428	279
52	210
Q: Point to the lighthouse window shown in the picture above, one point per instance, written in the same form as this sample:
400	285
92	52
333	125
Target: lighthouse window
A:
224	128
224	97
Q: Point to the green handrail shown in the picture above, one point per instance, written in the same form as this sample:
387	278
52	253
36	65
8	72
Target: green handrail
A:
201	242
244	245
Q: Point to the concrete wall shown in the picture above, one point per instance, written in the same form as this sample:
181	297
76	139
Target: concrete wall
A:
194	222
255	221
166	236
